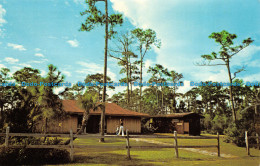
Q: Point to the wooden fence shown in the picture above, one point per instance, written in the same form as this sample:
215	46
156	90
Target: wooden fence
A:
248	144
71	146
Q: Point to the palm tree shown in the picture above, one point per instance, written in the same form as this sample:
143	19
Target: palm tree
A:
88	102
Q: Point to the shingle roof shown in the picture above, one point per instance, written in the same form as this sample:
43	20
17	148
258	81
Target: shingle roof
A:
175	115
112	109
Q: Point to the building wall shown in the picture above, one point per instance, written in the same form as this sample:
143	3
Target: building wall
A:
57	126
186	125
194	126
133	124
164	125
179	127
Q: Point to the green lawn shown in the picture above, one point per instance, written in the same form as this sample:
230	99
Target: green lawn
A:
112	156
226	148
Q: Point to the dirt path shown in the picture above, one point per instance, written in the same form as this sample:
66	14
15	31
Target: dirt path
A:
205	152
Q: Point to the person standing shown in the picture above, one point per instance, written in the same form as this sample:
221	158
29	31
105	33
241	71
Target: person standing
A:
121	128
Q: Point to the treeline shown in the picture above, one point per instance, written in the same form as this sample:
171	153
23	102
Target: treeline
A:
228	110
22	107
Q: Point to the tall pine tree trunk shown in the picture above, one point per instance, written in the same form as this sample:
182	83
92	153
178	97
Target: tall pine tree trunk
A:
130	77
127	77
141	81
102	119
231	92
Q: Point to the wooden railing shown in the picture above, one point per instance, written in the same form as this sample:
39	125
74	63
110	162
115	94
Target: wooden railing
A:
248	144
71	146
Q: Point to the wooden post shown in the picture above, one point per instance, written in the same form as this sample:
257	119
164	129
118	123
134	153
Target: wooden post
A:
176	144
7	136
128	145
247	143
257	141
71	145
218	145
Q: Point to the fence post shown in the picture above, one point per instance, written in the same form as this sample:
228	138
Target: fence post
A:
7	136
218	145
247	143
128	145
257	141
71	146
176	144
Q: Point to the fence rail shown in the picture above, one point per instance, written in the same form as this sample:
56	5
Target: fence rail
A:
71	146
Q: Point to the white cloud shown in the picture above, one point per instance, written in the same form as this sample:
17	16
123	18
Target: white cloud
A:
73	43
43	73
217	76
67	73
39	55
255	63
252	77
2	66
67	3
16	46
183	41
147	14
58	90
93	68
37	49
2	14
148	63
15	68
185	88
249	51
25	65
80	2
52	37
245	56
42	61
111	92
11	60
2	32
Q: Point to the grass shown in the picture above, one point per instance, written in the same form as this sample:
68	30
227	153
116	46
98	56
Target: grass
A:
226	148
112	156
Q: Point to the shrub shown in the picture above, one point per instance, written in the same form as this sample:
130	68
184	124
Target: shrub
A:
18	156
216	124
21	156
146	129
220	122
236	131
34	141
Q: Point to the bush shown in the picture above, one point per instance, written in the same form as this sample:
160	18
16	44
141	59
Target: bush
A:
23	156
2	140
34	141
235	135
18	156
146	128
236	131
216	124
220	122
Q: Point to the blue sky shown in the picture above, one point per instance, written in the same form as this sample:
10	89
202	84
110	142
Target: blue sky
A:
38	33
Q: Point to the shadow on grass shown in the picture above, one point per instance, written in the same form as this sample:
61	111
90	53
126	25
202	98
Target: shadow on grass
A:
254	156
110	159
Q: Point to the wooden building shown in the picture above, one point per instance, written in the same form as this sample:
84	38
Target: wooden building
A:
113	113
183	123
